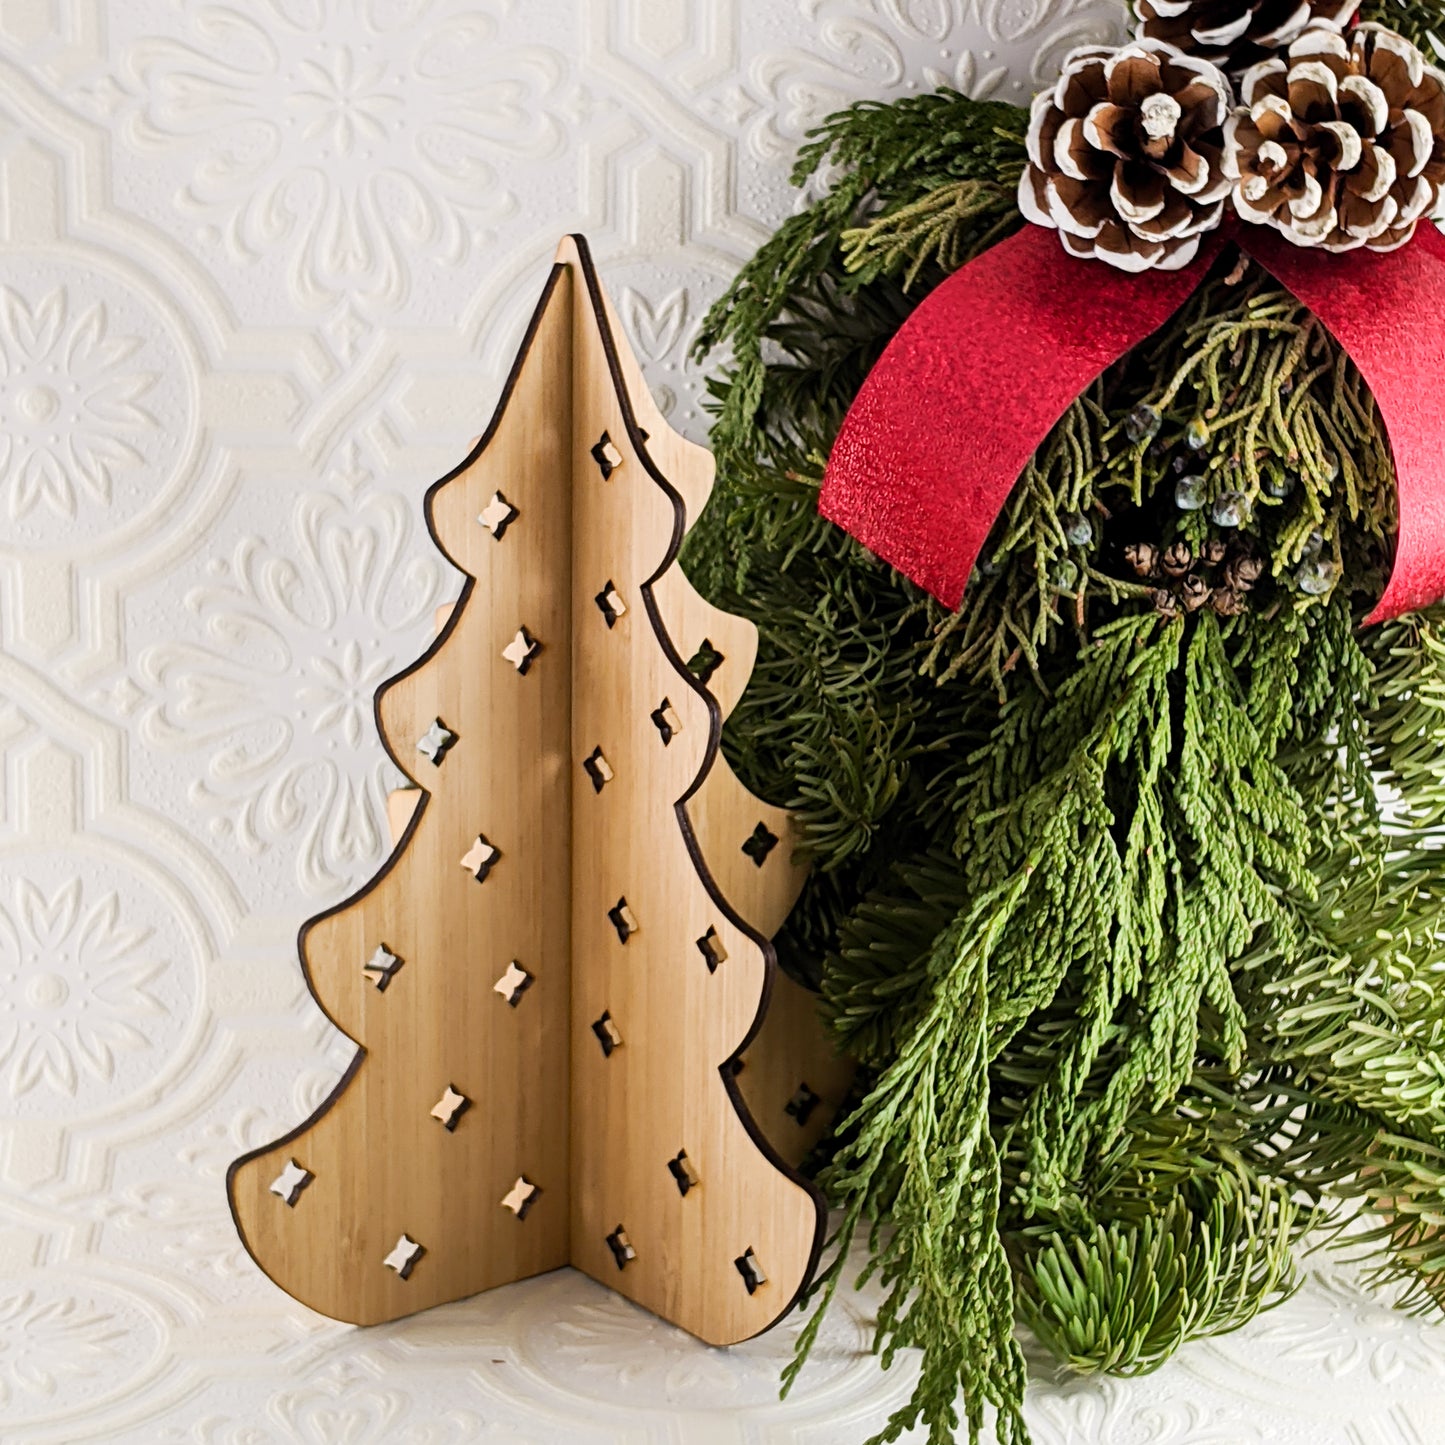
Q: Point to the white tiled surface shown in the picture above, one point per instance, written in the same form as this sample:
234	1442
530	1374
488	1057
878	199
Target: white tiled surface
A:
262	267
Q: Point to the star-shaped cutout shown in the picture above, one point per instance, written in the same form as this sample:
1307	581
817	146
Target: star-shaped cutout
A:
497	515
623	920
381	967
598	769
404	1255
752	1272
683	1171
621	1247
607	1033
712	950
450	1108
759	844
802	1104
607	457
521	650
610	604
514	983
666	721
478	859
434	742
521	1196
289	1183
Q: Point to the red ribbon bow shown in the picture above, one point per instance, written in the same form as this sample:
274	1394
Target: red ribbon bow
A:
972	383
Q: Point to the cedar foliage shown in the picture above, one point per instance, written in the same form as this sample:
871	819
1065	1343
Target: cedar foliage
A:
1132	914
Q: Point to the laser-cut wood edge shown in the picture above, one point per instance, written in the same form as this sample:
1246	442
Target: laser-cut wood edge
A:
443	634
575	248
581	260
791	1044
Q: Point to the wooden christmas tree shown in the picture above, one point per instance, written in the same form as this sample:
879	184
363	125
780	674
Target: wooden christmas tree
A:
559	980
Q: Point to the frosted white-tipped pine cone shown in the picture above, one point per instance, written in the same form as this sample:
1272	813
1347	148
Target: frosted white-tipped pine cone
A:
1236	34
1125	155
1342	144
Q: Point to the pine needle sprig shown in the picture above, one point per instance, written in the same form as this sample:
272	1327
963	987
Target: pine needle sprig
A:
1121	1298
918	1153
1419	21
879	154
1133	914
940	230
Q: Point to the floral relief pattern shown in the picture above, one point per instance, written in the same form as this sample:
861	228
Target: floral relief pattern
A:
892	47
46	1343
362	136
178	1208
343	1410
1355	1334
273	685
84	982
72	404
661	334
345	1405
605	1345
66	1345
263	268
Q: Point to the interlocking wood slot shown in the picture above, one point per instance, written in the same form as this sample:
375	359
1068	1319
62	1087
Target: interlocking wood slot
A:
579	481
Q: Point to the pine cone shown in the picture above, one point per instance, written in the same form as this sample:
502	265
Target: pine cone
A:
1243	572
1343	145
1235	34
1126	155
1143	557
1178	559
1194	592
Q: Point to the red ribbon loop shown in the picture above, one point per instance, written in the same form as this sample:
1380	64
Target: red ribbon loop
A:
994	356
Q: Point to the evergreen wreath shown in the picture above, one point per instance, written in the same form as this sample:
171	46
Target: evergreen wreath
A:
1126	892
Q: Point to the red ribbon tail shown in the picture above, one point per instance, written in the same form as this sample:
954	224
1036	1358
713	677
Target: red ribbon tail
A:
969	388
1385	310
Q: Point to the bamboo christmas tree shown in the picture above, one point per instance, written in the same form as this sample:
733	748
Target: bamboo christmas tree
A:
559	977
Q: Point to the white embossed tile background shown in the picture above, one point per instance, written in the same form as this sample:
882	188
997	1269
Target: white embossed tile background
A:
262	267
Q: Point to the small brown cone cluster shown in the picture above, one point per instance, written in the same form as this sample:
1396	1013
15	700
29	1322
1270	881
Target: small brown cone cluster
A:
1342	144
1234	34
1219	577
1125	155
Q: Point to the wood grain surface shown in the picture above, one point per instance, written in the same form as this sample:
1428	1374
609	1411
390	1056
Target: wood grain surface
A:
581	832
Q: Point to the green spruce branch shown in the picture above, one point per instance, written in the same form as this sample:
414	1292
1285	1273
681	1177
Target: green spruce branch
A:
1131	911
